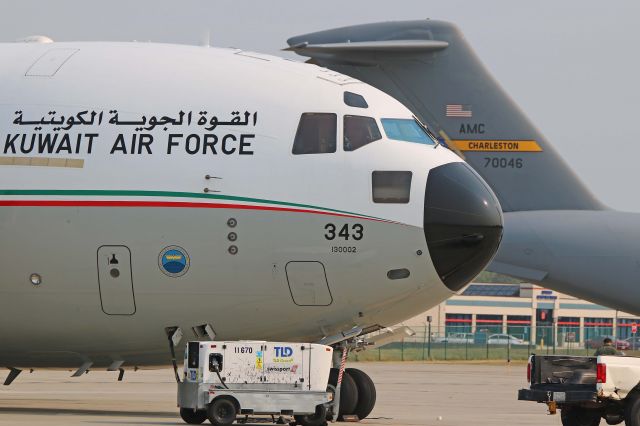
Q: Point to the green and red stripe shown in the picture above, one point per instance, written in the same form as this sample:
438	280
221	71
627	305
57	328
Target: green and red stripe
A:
238	203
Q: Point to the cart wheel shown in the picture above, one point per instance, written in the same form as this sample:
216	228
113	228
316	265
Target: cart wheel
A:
577	416
222	412
632	410
366	393
193	417
316	419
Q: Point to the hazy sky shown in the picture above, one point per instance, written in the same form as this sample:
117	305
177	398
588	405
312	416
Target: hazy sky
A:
573	66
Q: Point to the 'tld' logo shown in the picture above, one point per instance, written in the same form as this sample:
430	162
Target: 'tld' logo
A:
283	351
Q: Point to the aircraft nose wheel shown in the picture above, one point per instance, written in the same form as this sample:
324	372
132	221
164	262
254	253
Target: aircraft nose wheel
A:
348	392
357	394
366	392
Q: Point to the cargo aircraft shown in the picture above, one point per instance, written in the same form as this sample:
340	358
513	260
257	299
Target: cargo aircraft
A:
147	188
557	233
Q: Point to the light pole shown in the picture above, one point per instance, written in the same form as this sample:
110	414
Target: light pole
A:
554	334
429	319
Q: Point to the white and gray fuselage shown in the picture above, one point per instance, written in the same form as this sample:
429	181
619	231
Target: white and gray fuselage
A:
268	244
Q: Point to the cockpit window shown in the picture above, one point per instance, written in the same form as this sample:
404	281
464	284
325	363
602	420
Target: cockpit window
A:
359	131
316	133
408	130
355	100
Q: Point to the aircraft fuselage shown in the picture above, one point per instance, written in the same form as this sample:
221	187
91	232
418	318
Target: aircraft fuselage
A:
149	186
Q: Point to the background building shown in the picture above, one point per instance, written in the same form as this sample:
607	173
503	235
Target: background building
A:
528	312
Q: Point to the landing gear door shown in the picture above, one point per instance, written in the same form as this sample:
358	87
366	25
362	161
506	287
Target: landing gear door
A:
116	281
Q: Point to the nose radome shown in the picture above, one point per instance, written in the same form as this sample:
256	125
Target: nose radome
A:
462	223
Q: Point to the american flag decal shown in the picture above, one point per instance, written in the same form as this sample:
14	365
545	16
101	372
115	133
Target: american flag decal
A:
458	110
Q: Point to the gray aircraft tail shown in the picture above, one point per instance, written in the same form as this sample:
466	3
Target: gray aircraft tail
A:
429	66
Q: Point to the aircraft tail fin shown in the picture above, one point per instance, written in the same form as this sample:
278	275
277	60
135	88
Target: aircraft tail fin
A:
430	67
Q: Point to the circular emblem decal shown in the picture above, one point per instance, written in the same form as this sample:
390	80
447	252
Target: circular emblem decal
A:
174	261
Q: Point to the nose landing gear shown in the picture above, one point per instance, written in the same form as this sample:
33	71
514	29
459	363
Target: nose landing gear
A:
354	391
357	393
355	396
348	392
366	392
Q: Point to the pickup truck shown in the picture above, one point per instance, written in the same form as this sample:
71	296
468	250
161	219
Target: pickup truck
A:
586	389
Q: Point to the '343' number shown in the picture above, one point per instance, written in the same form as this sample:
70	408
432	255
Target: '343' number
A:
354	231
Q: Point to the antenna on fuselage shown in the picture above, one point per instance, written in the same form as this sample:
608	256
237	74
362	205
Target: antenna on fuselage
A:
206	38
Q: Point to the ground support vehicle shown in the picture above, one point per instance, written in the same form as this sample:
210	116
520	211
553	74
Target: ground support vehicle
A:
225	380
586	389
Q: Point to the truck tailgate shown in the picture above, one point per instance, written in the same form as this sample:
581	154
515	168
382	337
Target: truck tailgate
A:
562	379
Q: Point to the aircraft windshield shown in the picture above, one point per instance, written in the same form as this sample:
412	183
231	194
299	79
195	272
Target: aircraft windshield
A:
408	130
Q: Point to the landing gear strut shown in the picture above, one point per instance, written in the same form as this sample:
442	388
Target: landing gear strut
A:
355	397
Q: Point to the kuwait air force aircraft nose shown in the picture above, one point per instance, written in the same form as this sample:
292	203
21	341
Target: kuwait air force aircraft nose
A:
462	223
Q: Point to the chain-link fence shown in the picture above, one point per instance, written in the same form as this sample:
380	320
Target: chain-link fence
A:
491	343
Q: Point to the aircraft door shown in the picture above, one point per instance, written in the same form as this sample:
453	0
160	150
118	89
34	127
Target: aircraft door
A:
115	280
308	284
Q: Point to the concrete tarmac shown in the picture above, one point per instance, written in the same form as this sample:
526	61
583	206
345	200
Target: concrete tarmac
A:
408	394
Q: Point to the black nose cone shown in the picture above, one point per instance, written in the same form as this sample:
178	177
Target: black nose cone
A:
462	223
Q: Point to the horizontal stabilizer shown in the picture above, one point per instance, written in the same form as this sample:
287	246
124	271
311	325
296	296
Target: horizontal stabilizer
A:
386	46
526	274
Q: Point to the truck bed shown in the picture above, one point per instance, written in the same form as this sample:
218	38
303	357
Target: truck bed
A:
585	388
562	378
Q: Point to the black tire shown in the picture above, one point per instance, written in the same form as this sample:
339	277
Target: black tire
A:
222	411
632	410
366	393
348	392
577	416
193	417
614	420
316	419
